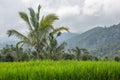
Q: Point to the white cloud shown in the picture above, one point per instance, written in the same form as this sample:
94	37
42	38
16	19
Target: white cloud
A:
64	11
78	15
69	10
92	6
111	8
35	3
106	8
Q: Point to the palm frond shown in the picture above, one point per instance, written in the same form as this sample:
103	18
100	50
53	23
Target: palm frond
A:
47	21
17	34
61	47
32	37
33	18
25	17
39	7
59	30
32	12
18	43
50	18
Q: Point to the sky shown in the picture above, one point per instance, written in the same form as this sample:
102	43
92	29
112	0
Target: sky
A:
78	15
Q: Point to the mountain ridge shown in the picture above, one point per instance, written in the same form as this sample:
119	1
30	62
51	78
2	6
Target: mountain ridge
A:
100	41
97	38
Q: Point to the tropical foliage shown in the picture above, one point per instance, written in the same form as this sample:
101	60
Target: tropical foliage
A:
41	41
40	30
12	53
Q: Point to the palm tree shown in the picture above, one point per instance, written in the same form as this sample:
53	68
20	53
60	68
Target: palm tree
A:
39	29
80	52
53	50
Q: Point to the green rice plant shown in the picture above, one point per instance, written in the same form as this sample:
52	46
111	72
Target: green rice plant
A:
60	70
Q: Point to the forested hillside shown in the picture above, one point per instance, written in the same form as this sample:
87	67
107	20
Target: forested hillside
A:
101	41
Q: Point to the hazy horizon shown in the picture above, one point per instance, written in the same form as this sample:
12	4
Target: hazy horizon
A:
79	15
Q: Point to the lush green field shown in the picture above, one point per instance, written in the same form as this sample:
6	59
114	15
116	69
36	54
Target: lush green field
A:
60	70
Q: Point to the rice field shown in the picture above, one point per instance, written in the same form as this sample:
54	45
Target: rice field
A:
60	70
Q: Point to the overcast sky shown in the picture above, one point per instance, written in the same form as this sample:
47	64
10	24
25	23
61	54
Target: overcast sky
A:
77	15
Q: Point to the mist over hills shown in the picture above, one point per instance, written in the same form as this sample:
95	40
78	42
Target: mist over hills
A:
66	36
100	41
13	41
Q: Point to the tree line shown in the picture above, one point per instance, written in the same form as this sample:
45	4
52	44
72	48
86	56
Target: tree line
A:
12	53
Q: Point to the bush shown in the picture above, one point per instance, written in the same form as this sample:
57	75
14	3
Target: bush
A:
68	56
117	58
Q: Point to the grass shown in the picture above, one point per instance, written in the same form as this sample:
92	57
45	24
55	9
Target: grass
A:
60	70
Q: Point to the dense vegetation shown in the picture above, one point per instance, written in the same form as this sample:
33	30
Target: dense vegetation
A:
101	41
41	41
42	35
12	53
60	70
44	41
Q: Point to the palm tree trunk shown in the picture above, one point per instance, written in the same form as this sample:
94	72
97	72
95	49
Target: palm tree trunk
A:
38	53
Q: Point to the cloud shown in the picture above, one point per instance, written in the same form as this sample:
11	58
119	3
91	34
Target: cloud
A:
65	11
92	6
105	8
111	8
77	15
61	8
9	17
70	10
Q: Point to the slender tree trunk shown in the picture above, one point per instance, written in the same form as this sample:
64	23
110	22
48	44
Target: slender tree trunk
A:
38	53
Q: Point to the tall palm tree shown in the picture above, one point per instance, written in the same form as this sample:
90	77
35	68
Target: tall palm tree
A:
39	29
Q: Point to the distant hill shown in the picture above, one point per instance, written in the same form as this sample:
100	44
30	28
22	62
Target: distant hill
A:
62	38
100	41
66	36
